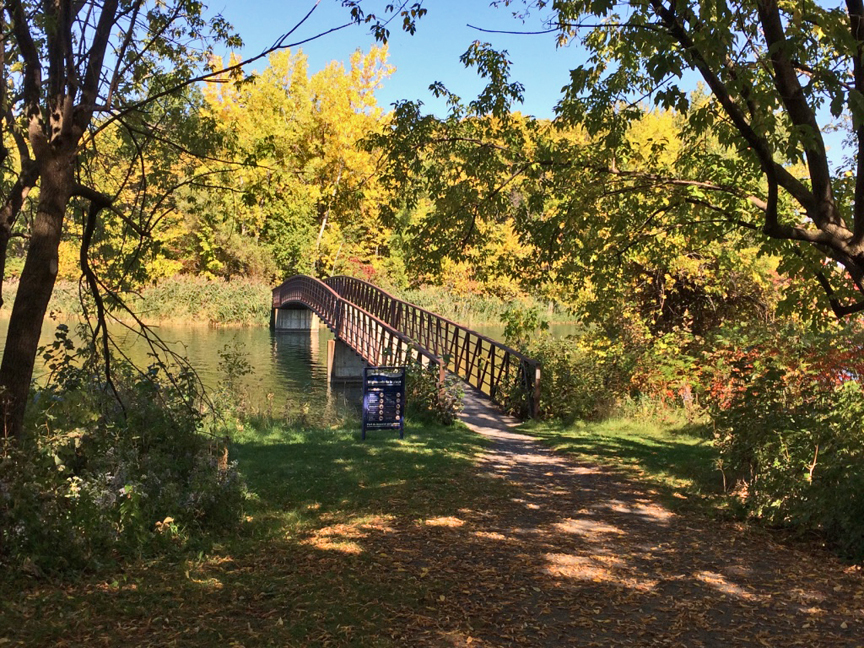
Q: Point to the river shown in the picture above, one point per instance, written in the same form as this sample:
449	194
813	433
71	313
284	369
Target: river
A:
289	370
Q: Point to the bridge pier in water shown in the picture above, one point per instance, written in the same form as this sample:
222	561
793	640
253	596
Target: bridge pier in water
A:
294	319
344	365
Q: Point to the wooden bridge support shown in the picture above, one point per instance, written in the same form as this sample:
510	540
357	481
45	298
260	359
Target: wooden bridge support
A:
344	366
293	319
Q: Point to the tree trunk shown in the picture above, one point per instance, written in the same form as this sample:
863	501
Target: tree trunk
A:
34	290
5	235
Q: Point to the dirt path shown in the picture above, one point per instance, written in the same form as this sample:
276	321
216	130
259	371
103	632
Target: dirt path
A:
592	559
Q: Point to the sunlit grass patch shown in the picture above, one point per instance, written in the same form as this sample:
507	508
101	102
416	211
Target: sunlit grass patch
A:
676	457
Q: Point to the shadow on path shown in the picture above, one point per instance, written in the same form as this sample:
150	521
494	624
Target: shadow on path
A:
605	564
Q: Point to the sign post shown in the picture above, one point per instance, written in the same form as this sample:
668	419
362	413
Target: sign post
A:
384	399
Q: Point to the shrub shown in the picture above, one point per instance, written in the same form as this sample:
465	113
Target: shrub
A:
100	474
239	301
788	414
582	376
580	379
425	397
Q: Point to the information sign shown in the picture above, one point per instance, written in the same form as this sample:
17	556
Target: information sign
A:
384	399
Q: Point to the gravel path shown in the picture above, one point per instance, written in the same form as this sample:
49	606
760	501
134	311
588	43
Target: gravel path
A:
603	563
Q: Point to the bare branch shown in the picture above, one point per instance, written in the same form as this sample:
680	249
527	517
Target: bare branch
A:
121	54
98	202
104	202
95	61
681	182
209	76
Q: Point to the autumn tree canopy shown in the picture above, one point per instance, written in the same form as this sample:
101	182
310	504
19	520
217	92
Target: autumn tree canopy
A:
777	78
77	76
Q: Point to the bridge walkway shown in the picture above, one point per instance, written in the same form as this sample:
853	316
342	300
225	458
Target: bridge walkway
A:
384	330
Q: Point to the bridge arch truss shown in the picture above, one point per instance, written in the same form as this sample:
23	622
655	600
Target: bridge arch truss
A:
385	330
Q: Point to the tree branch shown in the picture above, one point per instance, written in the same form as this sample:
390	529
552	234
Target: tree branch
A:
800	113
856	26
121	54
97	203
104	202
681	182
32	74
209	76
95	61
758	143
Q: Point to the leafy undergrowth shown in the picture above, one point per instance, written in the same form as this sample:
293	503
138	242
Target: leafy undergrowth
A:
674	456
296	573
409	543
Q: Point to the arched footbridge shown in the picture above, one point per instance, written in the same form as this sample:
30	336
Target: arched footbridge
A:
384	330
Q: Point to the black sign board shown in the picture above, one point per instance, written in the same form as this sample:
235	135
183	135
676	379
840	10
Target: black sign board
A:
384	399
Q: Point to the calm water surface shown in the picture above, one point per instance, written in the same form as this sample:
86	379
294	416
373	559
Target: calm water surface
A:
290	366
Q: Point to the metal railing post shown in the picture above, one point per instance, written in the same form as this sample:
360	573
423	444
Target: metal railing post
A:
535	400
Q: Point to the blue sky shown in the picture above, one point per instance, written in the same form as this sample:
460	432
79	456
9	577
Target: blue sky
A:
432	54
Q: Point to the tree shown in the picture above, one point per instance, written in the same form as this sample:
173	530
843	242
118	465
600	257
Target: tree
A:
608	245
308	190
781	75
71	73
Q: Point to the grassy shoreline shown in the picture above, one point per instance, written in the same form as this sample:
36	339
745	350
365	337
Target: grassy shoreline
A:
187	301
192	301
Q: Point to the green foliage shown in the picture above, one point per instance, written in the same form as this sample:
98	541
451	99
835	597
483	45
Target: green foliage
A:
548	211
771	119
100	474
231	397
521	324
596	373
787	411
426	398
234	365
239	301
580	379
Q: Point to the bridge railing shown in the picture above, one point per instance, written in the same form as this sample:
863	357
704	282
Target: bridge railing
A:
373	339
494	368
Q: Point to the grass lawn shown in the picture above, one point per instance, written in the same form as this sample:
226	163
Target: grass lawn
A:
345	543
676	457
305	568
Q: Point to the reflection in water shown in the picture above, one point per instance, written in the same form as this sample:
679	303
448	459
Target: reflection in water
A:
290	366
300	362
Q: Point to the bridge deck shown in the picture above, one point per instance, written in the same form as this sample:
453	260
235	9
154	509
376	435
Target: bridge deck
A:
385	330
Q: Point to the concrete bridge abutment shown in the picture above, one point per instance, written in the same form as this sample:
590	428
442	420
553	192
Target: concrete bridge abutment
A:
344	365
294	319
